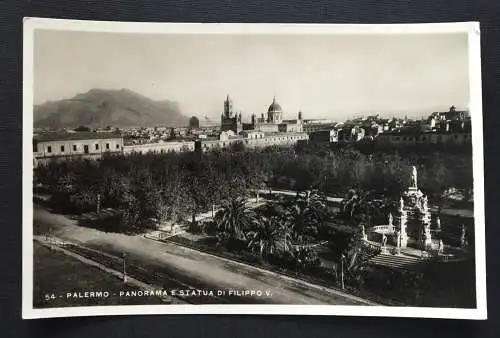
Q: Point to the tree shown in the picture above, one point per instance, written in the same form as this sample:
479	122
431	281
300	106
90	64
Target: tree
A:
237	146
306	258
264	238
234	219
354	207
341	238
82	128
305	213
285	234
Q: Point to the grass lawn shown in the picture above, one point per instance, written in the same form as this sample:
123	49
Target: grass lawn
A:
56	274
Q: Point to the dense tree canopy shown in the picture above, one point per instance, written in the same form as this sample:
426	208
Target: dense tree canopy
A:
176	185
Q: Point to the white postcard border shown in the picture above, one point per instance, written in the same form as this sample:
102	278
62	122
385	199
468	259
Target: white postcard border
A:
471	28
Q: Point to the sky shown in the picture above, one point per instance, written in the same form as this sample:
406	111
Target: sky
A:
326	76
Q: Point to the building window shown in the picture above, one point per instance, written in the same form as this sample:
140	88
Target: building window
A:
107	146
74	147
49	149
117	146
96	146
62	149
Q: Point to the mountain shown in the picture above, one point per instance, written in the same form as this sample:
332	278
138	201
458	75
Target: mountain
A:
101	108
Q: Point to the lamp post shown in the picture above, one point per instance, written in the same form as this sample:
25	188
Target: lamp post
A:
342	270
124	255
98	203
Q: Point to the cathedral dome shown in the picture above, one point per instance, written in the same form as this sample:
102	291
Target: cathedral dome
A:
275	107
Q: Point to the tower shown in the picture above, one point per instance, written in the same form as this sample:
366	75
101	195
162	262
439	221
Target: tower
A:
230	120
228	107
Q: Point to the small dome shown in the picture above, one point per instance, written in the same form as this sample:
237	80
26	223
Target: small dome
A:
275	107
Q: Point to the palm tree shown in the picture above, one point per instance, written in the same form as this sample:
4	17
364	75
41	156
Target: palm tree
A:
234	219
354	207
265	237
308	210
285	232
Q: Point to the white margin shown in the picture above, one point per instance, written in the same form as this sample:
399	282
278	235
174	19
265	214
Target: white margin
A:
470	28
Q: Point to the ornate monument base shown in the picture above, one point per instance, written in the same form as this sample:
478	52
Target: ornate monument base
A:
413	221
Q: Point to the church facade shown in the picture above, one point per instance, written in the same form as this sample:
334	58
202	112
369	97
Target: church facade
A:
262	131
272	122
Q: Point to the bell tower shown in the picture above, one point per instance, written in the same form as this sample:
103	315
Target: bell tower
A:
228	107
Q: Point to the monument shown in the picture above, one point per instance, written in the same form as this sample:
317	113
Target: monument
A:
414	219
412	223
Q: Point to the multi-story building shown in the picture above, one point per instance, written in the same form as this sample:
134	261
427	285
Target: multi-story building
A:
351	134
159	147
419	138
194	122
312	126
250	140
47	146
452	128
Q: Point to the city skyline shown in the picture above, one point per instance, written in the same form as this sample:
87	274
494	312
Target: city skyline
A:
301	71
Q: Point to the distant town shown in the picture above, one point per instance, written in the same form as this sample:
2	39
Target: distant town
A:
448	128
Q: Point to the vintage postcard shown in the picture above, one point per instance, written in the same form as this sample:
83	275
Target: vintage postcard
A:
252	169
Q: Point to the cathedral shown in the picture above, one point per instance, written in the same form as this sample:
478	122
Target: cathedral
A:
272	123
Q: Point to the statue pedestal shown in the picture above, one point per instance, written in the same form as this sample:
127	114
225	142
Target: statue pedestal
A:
404	241
427	243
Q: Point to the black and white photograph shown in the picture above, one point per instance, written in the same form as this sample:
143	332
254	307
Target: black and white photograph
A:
252	169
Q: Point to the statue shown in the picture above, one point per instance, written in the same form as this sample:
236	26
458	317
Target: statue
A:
414	177
425	205
384	240
438	223
441	246
462	237
390	220
427	229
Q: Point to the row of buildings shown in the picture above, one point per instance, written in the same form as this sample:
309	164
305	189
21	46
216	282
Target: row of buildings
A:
440	128
270	129
263	131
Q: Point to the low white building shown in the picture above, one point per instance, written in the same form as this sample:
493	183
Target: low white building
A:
160	147
47	146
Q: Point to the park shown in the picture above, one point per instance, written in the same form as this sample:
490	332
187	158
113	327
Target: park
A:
328	217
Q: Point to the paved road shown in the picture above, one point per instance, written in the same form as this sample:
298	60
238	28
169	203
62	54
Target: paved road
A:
466	213
194	268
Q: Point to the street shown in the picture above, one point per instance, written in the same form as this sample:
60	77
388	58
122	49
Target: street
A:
193	268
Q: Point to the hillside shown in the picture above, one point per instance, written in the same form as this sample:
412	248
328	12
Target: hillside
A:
101	108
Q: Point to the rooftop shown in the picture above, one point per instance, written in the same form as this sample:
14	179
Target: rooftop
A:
62	136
